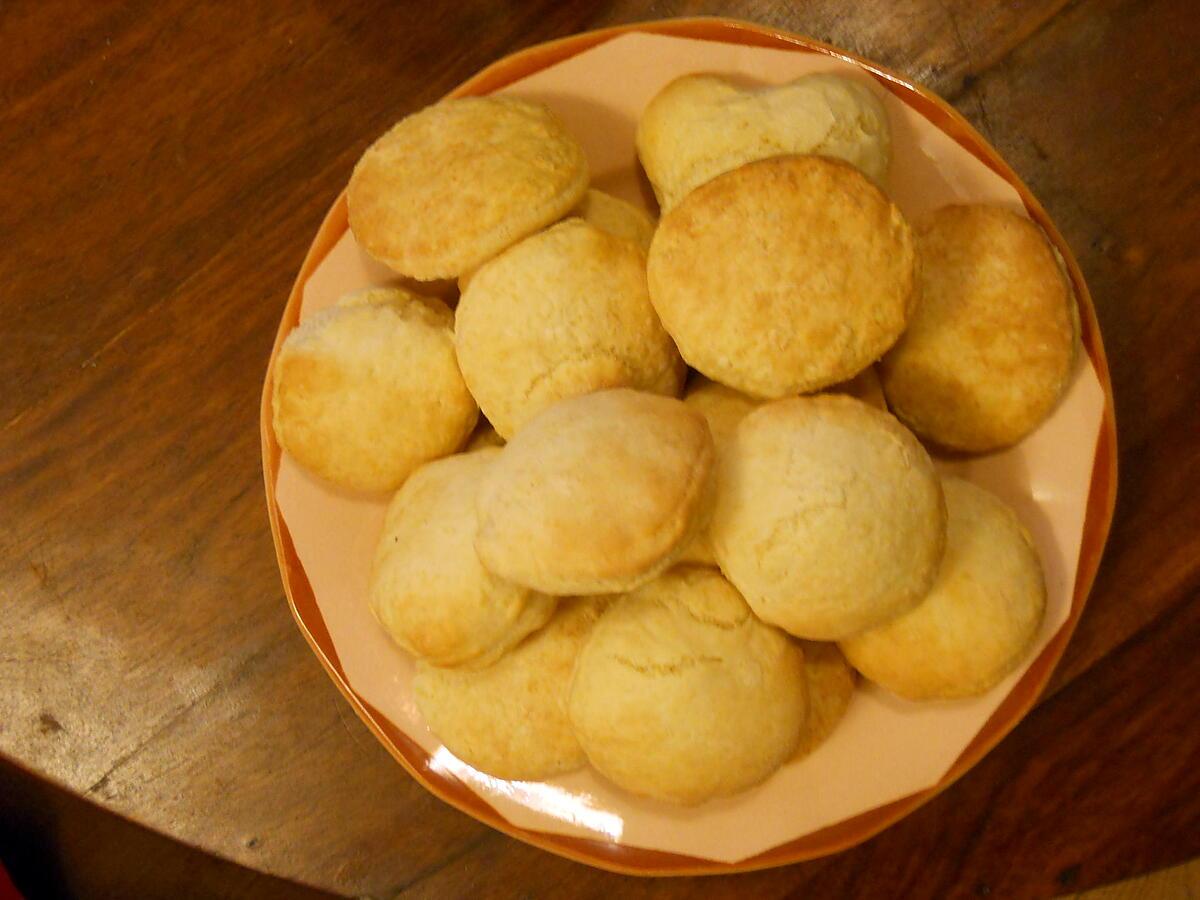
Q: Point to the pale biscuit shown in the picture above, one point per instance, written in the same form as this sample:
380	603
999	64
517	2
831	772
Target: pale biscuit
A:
681	694
368	390
830	683
609	214
829	516
699	126
980	618
427	587
783	276
597	494
991	347
451	186
722	408
618	218
561	313
510	718
866	386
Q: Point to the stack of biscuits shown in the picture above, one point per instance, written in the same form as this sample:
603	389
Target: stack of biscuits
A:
662	488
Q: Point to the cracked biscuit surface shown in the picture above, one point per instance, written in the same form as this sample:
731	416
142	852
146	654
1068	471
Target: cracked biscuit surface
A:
978	620
681	694
699	126
990	349
450	186
368	390
599	493
427	586
783	276
829	515
509	719
561	313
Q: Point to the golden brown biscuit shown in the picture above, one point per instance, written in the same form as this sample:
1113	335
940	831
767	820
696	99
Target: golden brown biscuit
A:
681	694
451	186
830	683
368	390
723	408
991	347
510	718
829	516
598	493
427	587
699	126
783	276
980	618
562	313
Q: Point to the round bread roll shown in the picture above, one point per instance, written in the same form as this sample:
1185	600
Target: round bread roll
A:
830	683
699	126
618	218
991	347
368	390
979	619
681	694
723	408
427	587
510	719
597	494
783	276
865	386
451	186
829	516
562	313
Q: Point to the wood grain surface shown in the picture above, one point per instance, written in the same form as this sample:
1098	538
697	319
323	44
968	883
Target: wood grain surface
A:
165	165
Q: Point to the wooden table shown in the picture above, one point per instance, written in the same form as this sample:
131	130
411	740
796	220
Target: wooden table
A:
164	166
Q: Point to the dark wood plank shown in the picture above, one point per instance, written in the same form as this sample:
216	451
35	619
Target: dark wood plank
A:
173	161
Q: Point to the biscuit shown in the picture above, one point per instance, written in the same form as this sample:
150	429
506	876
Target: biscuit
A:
699	126
991	347
484	436
618	218
829	516
830	683
980	618
866	386
510	718
723	408
681	694
427	587
597	494
609	214
451	186
561	313
783	276
368	390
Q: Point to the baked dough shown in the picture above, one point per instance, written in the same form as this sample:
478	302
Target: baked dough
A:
562	313
510	719
427	587
829	516
992	346
980	618
830	683
699	126
449	187
783	276
370	389
597	494
681	694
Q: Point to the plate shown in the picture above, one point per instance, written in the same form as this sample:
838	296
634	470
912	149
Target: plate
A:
888	756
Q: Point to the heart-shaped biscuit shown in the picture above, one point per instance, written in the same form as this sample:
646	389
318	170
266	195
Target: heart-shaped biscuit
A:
699	126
